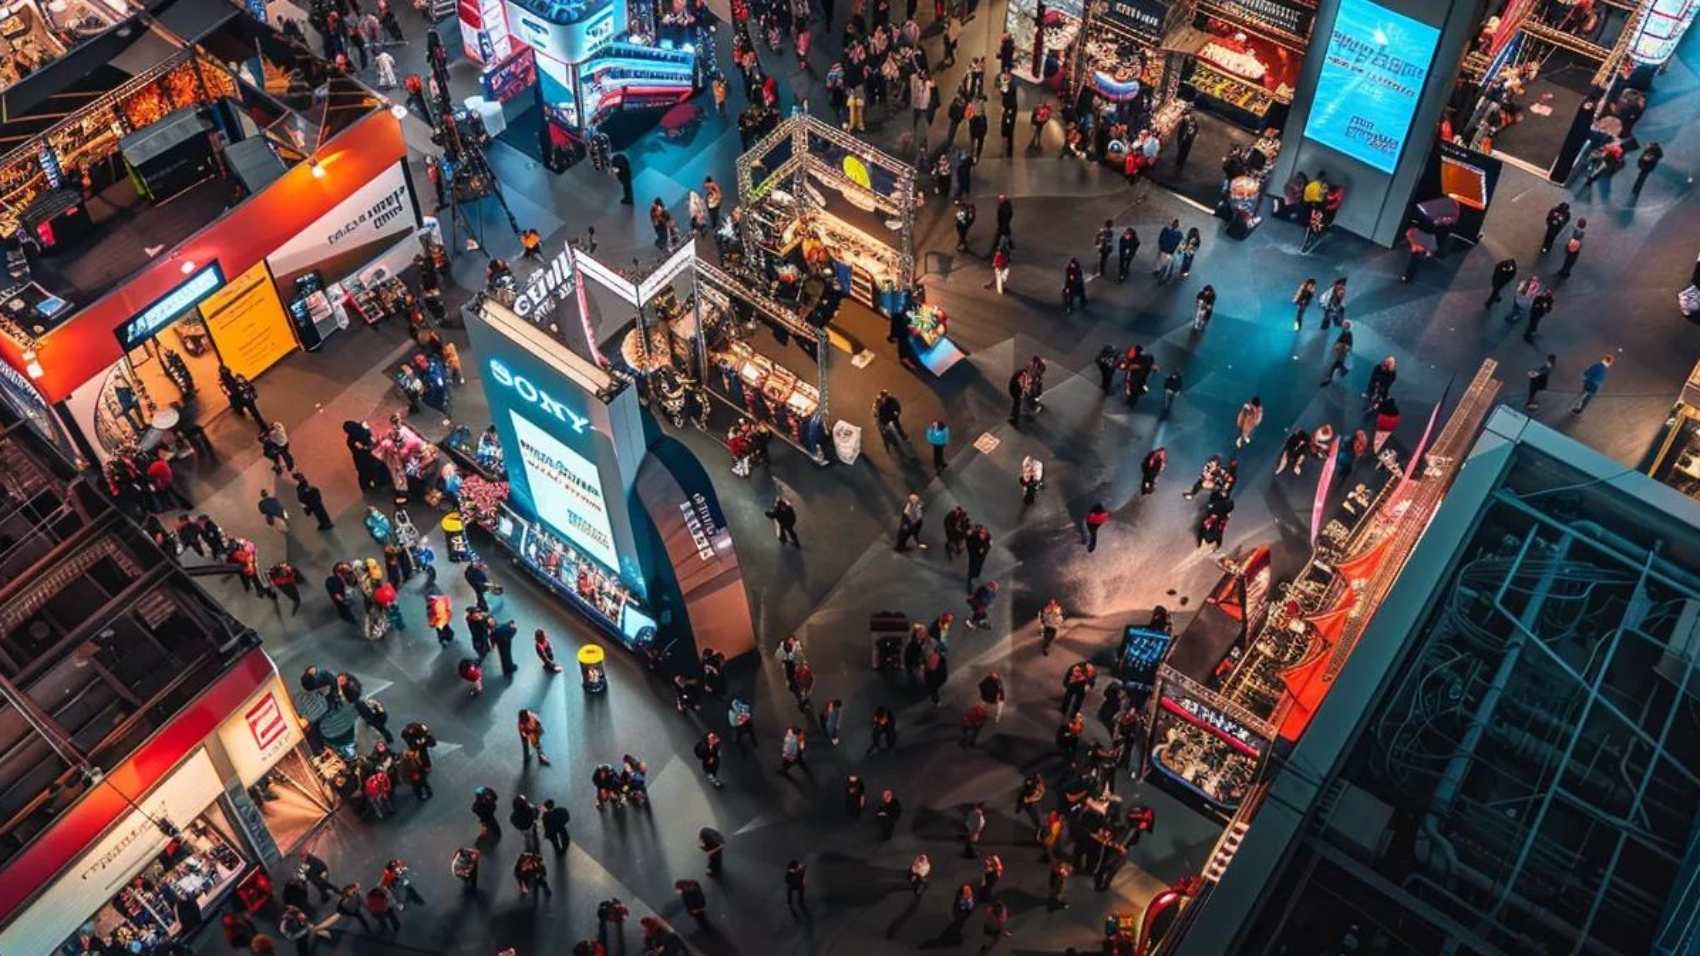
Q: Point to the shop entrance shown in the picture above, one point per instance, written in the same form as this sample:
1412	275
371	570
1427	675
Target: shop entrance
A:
177	362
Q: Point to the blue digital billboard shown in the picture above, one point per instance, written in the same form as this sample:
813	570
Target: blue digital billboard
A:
1373	72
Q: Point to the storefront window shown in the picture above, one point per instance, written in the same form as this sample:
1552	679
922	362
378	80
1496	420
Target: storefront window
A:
174	893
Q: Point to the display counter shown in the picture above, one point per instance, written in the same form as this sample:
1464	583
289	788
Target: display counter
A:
863	265
594	591
764	389
412	459
178	890
481	456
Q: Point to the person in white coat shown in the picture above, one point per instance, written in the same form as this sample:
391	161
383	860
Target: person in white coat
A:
386	70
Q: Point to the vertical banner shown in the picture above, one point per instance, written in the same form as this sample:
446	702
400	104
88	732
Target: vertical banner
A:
1428	431
1329	462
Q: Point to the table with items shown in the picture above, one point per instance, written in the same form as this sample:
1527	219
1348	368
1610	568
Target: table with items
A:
929	327
765	389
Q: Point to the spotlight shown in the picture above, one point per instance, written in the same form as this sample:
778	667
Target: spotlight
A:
318	170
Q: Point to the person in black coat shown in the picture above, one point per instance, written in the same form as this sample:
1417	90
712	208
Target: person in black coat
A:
312	501
1006	219
1503	272
623	174
555	821
502	635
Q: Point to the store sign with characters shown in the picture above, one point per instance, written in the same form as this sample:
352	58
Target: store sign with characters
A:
261	731
1289	16
1143	17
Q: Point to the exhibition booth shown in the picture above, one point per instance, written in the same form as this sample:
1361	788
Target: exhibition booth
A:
1677	461
621	523
580	63
318	247
152	850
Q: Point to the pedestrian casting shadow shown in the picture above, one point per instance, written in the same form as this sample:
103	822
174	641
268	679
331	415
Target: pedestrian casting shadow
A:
904	917
950	937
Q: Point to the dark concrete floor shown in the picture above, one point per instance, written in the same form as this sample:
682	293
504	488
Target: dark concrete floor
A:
1621	301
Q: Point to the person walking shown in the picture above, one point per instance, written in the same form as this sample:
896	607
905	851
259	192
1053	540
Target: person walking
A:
1381	379
1032	478
978	546
784	518
271	508
979	124
979	603
1250	416
274	445
1189	249
1298	447
909	523
1155	461
531	736
884	736
1000	267
1593	379
1060	872
713	847
1539	308
995	929
315	872
350	903
1019	386
1573	248
532	874
381	903
1522	296
1341	354
1302	299
973	721
1503	272
312	501
796	880
464	866
286	579
741	716
1333	303
555	820
1539	377
888	413
888	812
1172	387
708	754
1557	218
1204	307
992	694
919	869
484	806
1645	164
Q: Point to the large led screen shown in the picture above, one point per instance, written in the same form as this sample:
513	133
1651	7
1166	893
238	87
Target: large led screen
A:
1372	77
566	490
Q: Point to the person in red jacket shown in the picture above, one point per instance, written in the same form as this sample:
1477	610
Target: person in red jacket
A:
163	482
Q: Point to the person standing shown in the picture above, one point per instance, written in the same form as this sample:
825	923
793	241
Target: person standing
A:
1096	518
1051	620
713	847
995	930
909	523
1203	308
796	879
1573	248
979	124
1150	468
1645	164
973	721
1297	448
784	518
1168	243
888	413
956	527
1593	379
791	750
531	736
1126	249
271	508
1000	267
1104	243
1503	272
979	603
502	636
712	198
1005	223
973	825
708	754
1381	379
1186	132
965	216
162	482
1539	377
1060	872
1172	386
1250	416
1074	286
919	869
1557	218
337	589
318	874
1302	299
938	436
1189	250
1018	389
888	812
1539	308
1523	296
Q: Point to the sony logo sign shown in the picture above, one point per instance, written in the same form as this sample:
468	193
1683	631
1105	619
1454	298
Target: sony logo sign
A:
542	286
524	388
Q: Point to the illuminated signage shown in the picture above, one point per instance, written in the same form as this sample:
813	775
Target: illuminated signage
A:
544	286
257	736
1142	653
527	390
1372	78
566	490
170	307
1661	29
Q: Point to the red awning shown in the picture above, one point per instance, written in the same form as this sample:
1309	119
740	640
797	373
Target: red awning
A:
73	833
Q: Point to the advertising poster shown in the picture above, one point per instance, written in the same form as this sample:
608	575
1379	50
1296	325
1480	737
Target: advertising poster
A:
355	232
248	324
1372	77
566	490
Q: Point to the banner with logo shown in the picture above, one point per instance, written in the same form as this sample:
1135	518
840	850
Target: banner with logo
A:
1143	18
352	234
260	732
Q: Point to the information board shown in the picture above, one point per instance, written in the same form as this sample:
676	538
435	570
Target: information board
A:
248	324
1372	78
